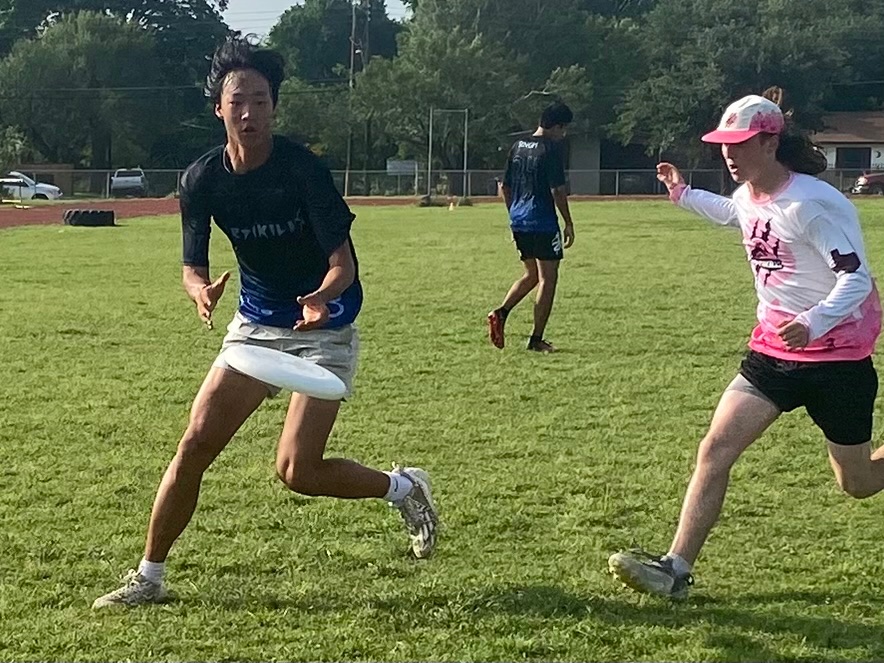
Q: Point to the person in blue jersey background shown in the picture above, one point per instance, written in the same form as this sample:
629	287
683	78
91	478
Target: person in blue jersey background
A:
300	293
534	187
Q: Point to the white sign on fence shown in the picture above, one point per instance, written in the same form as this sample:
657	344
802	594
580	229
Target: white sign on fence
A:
395	167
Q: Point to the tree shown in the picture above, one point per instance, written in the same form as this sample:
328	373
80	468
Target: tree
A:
14	148
58	88
504	60
441	68
181	23
701	54
618	8
184	33
540	35
593	87
558	49
317	116
864	90
314	37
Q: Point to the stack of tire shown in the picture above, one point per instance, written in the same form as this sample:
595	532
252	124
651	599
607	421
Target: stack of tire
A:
89	217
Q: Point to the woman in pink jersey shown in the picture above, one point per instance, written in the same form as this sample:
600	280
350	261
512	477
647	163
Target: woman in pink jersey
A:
819	316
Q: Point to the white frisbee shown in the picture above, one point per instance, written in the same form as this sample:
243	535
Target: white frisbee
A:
285	371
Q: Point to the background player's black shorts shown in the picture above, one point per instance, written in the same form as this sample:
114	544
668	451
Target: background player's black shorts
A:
539	246
838	395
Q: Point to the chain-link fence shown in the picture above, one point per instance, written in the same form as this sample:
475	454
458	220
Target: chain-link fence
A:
80	184
621	182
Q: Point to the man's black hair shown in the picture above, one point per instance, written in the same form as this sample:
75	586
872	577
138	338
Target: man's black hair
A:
556	114
238	53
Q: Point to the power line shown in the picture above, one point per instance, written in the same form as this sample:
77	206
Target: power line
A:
59	95
152	88
855	83
600	92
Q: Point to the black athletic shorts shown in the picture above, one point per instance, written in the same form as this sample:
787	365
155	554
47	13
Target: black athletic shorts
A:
838	395
539	246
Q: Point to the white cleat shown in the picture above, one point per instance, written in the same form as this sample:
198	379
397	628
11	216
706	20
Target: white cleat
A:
136	590
649	574
418	511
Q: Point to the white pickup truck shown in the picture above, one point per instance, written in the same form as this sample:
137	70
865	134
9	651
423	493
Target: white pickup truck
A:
18	186
128	182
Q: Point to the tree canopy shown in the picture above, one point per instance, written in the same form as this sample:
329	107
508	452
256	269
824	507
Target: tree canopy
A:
108	83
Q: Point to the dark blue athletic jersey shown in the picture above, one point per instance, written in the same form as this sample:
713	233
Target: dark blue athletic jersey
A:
283	219
535	166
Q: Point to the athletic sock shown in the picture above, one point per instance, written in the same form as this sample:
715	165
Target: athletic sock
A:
399	488
152	571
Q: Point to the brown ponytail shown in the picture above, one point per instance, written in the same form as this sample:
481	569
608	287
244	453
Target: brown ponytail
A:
796	151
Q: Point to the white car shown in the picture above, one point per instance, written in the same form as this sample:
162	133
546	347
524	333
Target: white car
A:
21	187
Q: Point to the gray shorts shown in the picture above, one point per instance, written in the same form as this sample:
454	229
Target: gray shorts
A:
334	349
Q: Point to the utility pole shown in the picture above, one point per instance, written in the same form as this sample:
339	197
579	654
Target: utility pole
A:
366	56
350	96
366	36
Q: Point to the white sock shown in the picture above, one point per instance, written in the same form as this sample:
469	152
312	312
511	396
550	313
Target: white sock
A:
153	571
400	486
679	564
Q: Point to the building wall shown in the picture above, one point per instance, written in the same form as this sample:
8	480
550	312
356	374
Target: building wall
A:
877	153
585	155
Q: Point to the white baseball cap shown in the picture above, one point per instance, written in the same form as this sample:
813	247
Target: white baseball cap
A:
745	118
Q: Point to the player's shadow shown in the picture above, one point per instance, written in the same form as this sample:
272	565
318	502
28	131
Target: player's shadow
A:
736	627
742	627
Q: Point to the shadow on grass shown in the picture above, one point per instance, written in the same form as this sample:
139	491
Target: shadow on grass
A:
740	628
742	625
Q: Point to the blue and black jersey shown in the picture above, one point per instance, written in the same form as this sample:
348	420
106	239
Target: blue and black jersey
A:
535	166
283	219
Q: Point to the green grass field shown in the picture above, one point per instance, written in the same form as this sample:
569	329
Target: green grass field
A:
542	465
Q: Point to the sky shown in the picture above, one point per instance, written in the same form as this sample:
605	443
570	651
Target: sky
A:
258	16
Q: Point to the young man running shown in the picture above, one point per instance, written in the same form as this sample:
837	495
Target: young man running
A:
290	231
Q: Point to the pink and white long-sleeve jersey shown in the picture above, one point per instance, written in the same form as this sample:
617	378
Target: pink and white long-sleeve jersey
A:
807	254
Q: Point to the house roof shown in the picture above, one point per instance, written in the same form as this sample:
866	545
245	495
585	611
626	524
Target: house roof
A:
855	127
